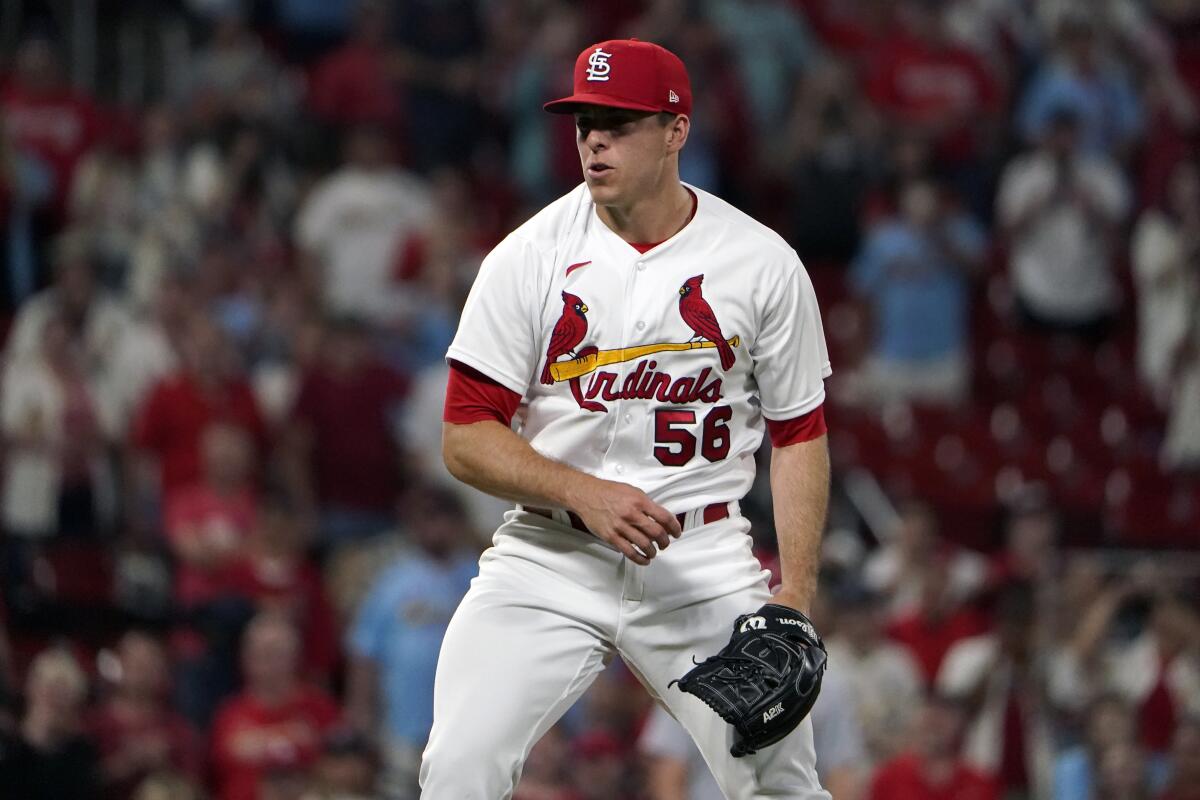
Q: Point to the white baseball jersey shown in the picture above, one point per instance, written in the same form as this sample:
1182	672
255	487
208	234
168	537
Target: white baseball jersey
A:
639	390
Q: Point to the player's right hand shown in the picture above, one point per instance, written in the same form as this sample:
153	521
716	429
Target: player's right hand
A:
625	517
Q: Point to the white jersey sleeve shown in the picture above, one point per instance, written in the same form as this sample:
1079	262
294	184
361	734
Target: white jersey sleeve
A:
499	332
791	360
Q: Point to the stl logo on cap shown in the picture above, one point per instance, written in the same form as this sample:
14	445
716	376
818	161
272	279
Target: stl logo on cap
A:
598	66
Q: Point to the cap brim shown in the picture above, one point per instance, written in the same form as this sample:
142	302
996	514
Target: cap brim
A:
568	105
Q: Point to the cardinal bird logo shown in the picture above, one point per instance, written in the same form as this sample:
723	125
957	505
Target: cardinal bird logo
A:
699	316
568	333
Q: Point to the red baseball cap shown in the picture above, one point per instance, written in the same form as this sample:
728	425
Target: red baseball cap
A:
627	73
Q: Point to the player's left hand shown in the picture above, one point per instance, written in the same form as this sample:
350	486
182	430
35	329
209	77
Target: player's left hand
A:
765	680
626	518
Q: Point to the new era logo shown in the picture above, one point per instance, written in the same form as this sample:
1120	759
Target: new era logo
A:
671	96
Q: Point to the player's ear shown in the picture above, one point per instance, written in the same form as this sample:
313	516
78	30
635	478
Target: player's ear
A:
677	132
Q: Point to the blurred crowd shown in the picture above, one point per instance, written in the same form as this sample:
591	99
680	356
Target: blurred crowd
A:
228	546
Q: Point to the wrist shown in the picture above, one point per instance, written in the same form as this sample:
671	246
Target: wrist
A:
794	599
575	490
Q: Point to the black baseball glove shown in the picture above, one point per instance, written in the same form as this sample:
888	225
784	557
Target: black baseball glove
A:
765	681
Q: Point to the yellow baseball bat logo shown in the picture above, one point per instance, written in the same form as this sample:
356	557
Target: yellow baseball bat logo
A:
578	367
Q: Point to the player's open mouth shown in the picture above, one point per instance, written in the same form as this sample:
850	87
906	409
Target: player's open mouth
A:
598	169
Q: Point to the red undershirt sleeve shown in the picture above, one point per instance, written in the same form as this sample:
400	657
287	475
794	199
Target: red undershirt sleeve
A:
472	396
803	428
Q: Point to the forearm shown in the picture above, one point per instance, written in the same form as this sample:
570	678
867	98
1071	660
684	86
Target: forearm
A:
800	491
494	459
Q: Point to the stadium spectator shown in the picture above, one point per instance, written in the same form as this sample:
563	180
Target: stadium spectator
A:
914	272
675	770
1109	722
885	684
48	757
1184	780
145	353
233	75
439	43
134	728
275	573
1079	78
346	768
938	622
345	461
44	115
208	526
206	389
599	772
1008	732
922	80
168	786
547	770
1166	264
838	738
1121	773
351	85
1060	207
275	726
829	154
772	47
54	473
1157	673
1030	553
354	224
933	769
396	635
895	570
95	320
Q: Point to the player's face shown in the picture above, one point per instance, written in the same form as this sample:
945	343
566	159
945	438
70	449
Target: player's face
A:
623	153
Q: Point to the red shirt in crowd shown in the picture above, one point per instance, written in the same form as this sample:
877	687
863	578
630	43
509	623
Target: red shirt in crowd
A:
351	86
355	459
252	740
904	778
115	732
58	126
198	511
929	87
293	586
175	415
929	639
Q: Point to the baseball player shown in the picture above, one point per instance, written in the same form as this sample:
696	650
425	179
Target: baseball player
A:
643	335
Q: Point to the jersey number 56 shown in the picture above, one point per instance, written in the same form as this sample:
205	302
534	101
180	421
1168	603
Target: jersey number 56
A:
675	444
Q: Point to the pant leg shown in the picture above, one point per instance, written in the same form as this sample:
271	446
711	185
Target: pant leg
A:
527	640
661	635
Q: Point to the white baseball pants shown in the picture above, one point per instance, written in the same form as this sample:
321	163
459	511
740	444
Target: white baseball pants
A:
549	609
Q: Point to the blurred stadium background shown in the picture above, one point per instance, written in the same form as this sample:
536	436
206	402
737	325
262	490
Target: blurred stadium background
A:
237	237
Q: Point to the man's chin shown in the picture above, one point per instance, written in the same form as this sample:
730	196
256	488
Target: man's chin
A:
602	194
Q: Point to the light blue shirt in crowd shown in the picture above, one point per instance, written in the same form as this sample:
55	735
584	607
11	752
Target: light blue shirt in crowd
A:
400	627
1105	103
918	295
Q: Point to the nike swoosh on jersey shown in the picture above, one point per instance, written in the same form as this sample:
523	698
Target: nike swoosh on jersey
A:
574	267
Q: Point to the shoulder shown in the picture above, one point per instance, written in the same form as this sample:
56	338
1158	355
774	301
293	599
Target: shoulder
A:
722	219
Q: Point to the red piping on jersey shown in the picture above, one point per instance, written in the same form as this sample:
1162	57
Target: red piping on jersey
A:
472	396
803	428
574	267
